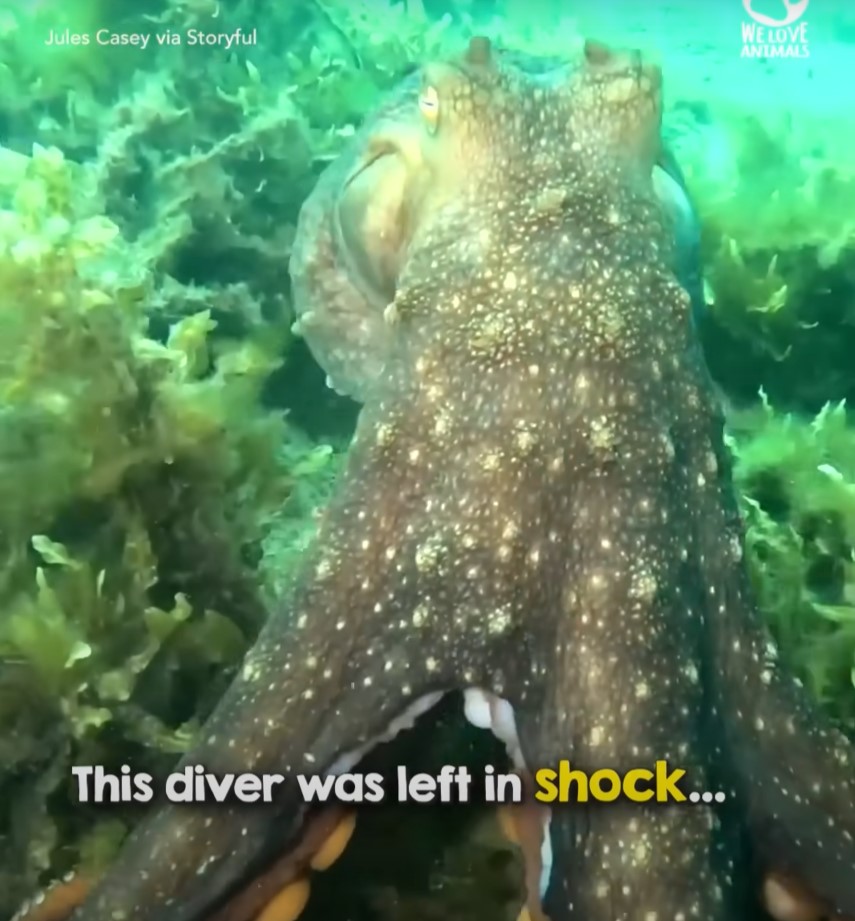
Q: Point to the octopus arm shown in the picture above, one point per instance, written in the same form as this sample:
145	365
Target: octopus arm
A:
326	677
793	770
625	689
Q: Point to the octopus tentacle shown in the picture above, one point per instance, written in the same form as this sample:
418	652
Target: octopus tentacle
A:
629	650
794	772
277	894
311	699
58	901
526	824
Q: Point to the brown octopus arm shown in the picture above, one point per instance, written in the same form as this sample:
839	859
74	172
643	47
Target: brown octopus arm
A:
392	606
793	771
624	674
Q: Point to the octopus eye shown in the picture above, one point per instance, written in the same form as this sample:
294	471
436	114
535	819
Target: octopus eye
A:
429	107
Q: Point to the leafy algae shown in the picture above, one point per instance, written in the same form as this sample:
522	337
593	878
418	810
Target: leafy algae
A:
135	477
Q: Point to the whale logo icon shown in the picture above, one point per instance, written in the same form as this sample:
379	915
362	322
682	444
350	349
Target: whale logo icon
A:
795	10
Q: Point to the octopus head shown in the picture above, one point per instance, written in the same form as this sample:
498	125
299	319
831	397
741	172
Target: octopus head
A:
457	147
479	124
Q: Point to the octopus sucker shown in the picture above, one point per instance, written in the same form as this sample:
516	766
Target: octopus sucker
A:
536	512
58	901
334	846
786	899
288	904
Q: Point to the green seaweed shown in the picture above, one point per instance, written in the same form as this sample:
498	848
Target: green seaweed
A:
137	478
776	198
797	477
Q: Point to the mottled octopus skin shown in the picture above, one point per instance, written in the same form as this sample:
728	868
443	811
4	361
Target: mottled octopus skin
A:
538	501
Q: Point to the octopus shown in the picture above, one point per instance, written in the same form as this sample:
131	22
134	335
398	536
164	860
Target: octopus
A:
537	511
